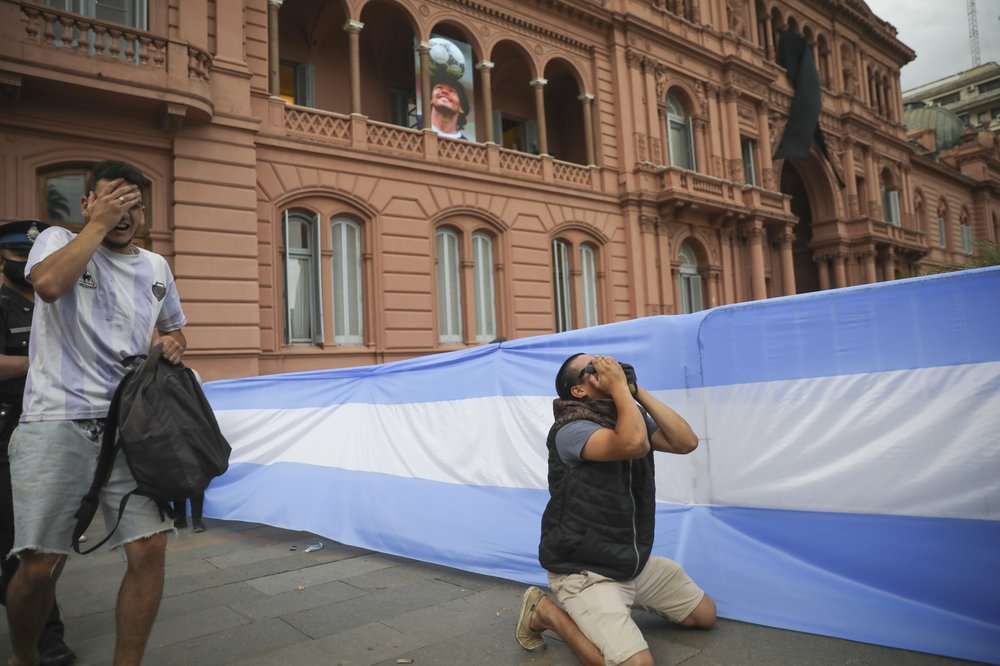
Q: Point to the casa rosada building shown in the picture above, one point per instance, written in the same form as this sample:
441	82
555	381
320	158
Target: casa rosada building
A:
614	162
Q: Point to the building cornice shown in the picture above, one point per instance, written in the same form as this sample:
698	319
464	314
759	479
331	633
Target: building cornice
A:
857	14
595	17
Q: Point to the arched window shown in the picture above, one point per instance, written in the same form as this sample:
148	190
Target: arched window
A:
449	291
560	281
679	134
691	299
303	322
588	284
965	230
943	226
345	236
482	286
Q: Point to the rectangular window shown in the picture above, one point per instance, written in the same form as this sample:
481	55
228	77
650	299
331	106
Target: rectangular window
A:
681	153
515	134
966	238
890	207
560	281
942	233
123	12
403	108
588	285
303	314
482	286
690	293
989	85
948	99
346	262
749	147
449	289
297	83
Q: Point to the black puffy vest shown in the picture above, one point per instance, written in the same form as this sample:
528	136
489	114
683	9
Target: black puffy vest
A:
600	516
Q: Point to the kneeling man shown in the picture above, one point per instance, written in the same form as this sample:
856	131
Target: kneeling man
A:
597	530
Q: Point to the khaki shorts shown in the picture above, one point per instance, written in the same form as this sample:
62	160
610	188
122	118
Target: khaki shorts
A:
52	465
601	606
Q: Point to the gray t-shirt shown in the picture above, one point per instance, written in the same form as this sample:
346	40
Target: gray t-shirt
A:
571	438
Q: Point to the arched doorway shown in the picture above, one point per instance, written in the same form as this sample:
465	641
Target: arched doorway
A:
814	206
806	271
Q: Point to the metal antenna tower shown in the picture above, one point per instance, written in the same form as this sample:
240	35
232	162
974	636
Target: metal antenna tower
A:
970	8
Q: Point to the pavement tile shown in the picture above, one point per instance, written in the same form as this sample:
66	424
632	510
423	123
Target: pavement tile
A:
297	600
320	573
359	646
376	606
226	646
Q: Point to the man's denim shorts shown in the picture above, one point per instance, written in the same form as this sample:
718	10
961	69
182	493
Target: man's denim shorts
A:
52	465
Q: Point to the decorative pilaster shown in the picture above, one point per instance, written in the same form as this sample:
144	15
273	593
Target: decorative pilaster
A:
764	140
273	53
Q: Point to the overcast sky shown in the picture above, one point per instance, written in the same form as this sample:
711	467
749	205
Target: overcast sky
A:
938	31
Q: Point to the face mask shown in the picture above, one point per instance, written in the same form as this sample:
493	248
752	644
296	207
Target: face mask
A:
14	271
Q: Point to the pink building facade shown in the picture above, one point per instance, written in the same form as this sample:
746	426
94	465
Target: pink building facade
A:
615	163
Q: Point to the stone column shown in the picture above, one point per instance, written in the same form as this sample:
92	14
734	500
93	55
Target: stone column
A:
586	101
787	238
889	264
839	271
543	139
768	37
868	261
353	29
823	268
273	53
486	81
425	85
770	181
758	285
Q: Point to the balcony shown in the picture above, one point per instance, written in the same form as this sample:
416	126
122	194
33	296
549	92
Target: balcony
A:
81	53
362	134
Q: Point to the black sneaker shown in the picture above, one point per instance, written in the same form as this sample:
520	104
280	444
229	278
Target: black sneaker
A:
57	654
180	523
197	526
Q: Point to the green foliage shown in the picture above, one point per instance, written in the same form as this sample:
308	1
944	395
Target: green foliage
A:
987	254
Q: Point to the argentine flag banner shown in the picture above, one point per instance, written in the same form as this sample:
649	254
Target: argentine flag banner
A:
847	480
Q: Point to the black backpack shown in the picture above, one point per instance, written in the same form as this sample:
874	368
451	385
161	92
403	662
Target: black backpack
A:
160	418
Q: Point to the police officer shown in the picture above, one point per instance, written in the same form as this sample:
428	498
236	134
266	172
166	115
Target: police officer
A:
17	302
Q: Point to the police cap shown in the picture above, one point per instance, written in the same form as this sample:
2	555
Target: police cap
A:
20	232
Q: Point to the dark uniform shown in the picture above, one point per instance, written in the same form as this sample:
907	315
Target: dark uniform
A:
15	329
15	326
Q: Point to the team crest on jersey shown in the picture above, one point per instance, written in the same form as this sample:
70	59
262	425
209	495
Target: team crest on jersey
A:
159	290
87	280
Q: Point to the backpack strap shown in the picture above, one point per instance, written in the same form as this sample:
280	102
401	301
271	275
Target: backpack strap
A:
105	462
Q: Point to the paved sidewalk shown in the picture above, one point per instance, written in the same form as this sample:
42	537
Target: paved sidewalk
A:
238	594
